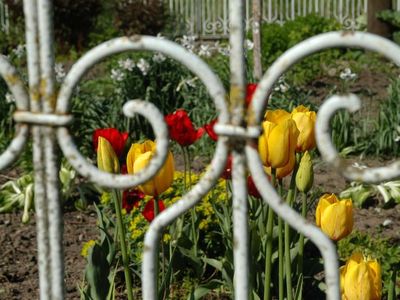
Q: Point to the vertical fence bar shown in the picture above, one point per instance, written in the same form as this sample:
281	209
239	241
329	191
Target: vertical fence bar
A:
240	211
50	159
32	45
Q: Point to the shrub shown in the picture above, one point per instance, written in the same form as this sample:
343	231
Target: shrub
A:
73	20
276	39
140	17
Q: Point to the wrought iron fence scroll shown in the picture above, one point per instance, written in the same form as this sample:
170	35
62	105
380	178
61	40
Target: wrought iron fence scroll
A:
47	116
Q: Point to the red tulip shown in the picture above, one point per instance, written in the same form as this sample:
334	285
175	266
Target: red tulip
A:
227	174
251	187
148	212
131	198
181	128
250	89
209	128
116	138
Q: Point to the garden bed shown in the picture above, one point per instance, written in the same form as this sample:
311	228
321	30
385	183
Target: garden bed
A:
18	261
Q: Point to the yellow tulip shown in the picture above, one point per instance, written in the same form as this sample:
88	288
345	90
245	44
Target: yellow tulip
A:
305	174
277	116
138	158
107	160
360	278
285	170
305	122
334	217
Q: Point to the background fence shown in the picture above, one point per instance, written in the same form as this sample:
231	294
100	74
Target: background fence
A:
4	19
209	18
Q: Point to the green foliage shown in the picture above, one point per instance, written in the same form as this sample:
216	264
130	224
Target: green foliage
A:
390	16
388	131
139	17
100	270
386	252
360	193
276	39
7	107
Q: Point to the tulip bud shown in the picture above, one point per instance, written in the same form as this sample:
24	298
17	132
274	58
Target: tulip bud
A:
360	278
305	174
107	160
334	217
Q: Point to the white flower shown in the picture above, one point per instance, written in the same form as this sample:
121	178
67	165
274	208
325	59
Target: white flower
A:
19	51
281	86
159	57
225	51
10	98
117	75
359	166
248	44
347	74
127	64
205	50
143	66
160	36
187	41
188	82
60	72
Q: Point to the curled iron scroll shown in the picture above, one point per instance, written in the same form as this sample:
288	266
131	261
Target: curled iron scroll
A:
16	86
255	114
146	109
320	42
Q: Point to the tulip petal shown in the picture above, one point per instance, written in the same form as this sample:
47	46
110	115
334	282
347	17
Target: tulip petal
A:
356	283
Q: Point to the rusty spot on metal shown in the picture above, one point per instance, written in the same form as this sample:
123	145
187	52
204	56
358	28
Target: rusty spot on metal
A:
135	38
35	94
347	33
236	96
52	100
11	79
43	86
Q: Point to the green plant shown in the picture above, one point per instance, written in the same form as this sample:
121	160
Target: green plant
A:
139	17
276	39
387	133
73	20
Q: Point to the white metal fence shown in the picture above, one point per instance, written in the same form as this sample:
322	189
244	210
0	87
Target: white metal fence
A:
45	116
4	18
209	18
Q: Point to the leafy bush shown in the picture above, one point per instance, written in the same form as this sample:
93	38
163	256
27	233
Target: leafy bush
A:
387	133
141	17
276	39
73	20
6	109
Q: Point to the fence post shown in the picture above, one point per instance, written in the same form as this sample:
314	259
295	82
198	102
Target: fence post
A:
374	25
198	14
257	9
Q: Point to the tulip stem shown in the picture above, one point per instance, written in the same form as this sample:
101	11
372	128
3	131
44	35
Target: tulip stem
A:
188	173
121	230
280	248
300	257
268	245
288	260
392	286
